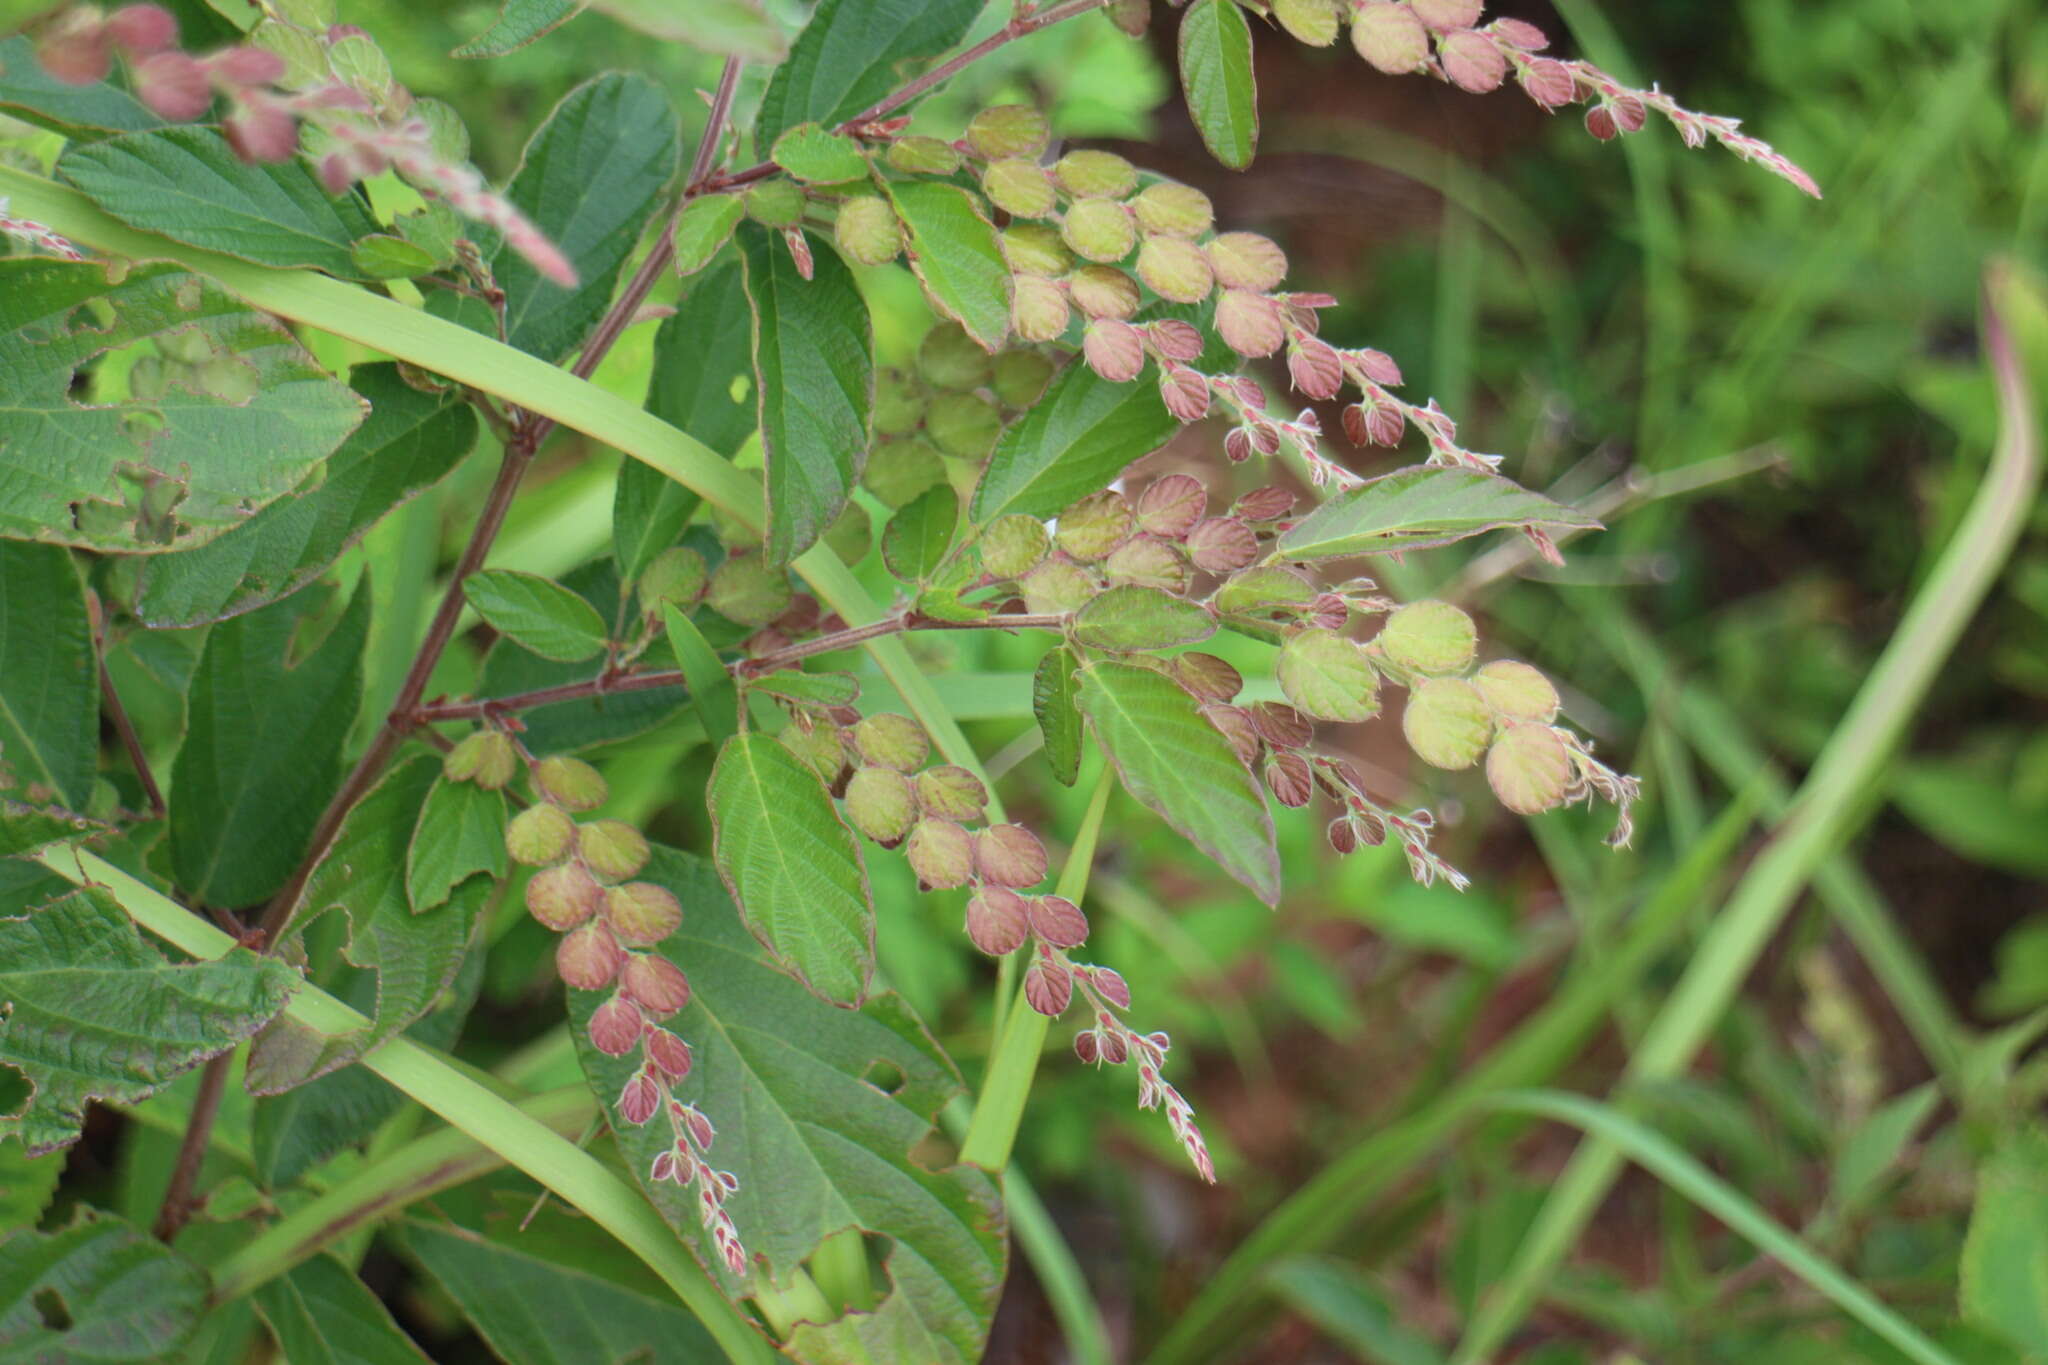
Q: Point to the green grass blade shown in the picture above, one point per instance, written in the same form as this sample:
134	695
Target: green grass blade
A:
1671	1164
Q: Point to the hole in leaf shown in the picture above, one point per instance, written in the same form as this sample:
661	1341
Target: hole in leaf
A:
16	1089
886	1077
49	1305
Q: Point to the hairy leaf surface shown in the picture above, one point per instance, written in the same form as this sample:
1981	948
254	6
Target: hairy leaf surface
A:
916	539
519	22
542	616
80	112
49	679
1055	692
1415	509
461	832
851	54
321	1314
957	256
1216	72
124	1296
1073	441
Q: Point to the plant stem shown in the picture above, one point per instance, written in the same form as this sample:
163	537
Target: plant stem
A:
178	1203
130	741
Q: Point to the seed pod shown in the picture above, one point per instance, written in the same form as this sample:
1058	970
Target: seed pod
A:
1115	1049
485	757
941	854
570	783
950	359
998	920
1343	835
1038	308
775	203
1110	987
1147	563
656	983
540	835
1264	504
1115	350
1021	377
667	1054
1009	855
563	897
1174	339
616	1026
1377	366
1245	260
1057	588
1175	210
1548	82
1103	291
1090	174
1013	545
1473	62
918	155
1205	676
1095	525
951	793
1059	921
1235	725
1281	726
1516	691
1036	249
1447	723
878	802
588	958
1328	676
1429	637
1098	230
641	913
1048	988
1528	768
1447	15
892	741
1314	367
1171	506
1085	1046
1175	269
1222	545
1019	187
867	230
612	849
1389	36
1290	778
964	424
1249	323
1008	130
749	590
898	472
640	1100
1311	21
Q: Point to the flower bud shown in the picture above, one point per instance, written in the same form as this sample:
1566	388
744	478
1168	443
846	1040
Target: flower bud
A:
1447	723
616	1026
1019	187
76	50
1429	637
1093	174
641	1099
1389	36
1600	123
919	155
878	802
1085	1046
173	85
1473	62
1094	526
563	897
867	230
1059	921
641	913
1249	323
1528	768
265	135
1314	368
1008	130
675	575
1013	545
1009	855
1290	779
951	793
1115	1050
540	835
667	1054
612	849
1171	506
1110	986
894	741
1048	987
1175	269
749	590
656	983
1516	691
1222	545
941	853
240	66
1184	391
1175	210
1098	230
1115	350
1343	835
1056	588
1145	562
998	920
588	958
485	757
1174	339
570	783
1548	82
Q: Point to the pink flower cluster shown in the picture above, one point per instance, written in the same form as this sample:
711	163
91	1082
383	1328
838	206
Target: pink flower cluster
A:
684	1162
36	234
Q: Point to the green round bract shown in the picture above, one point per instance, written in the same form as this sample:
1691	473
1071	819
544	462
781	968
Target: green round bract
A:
1328	676
963	424
1529	768
1098	230
749	590
1008	130
1013	545
1429	637
1447	723
951	359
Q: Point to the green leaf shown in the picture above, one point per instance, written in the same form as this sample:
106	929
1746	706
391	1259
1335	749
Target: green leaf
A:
49	678
809	689
955	252
233	433
1416	509
321	1314
565	726
519	22
818	155
1216	73
589	179
535	1310
725	28
27	1184
262	750
1874	1150
95	1013
543	616
703	227
792	866
187	184
122	1296
25	828
814	377
1173	760
1073	441
819	1140
917	538
1055	701
702	373
854	52
1350	1309
649	512
80	112
2005	1256
415	957
711	688
461	832
386	256
1129	617
407	444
